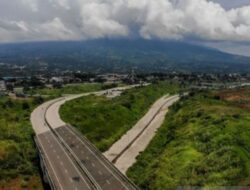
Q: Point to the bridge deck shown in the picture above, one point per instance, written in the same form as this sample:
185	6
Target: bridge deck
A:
103	174
62	170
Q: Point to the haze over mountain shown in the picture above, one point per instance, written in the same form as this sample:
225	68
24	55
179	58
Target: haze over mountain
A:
122	55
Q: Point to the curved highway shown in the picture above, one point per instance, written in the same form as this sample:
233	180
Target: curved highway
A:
71	161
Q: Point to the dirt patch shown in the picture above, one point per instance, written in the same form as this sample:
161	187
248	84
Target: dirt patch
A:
30	183
14	184
245	105
235	95
237	98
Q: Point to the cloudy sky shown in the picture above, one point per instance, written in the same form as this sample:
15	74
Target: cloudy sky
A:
205	21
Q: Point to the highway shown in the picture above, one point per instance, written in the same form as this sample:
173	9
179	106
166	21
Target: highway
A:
123	153
61	168
64	172
70	160
105	176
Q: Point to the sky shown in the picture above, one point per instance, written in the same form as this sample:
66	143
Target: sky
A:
204	21
228	4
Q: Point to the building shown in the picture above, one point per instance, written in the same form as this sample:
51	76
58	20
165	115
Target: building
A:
56	80
112	78
2	87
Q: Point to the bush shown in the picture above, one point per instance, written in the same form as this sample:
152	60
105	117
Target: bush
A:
203	142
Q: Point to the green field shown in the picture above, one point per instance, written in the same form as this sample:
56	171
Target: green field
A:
18	156
103	121
204	141
68	89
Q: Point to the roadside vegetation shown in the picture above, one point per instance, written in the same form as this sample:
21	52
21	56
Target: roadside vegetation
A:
69	89
19	164
103	121
204	141
19	167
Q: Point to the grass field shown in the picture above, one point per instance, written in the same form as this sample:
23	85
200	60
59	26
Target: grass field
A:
69	89
103	121
18	157
204	141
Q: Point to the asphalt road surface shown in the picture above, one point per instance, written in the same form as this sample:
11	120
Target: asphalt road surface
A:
62	169
71	162
104	175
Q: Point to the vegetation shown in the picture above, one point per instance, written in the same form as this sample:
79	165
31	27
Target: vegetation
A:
103	120
68	89
117	55
18	157
19	166
204	141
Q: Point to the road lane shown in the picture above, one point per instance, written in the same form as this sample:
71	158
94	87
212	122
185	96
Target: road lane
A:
62	167
66	175
103	175
123	153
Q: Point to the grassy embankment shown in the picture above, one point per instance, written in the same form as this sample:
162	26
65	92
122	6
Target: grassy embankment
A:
69	89
204	141
18	156
103	121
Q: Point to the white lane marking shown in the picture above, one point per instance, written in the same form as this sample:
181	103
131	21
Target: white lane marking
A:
93	165
61	163
98	158
108	182
58	181
57	157
73	153
66	171
69	159
99	172
54	151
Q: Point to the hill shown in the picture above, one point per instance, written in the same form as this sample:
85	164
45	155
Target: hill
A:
121	55
204	142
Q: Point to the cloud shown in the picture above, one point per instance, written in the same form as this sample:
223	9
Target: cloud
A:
32	20
32	4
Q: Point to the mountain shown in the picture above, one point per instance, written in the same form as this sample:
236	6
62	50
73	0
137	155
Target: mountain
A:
122	55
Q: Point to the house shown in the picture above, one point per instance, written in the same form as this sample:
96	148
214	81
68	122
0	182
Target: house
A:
2	87
56	80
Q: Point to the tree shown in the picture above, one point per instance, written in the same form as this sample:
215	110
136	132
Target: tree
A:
9	87
38	100
26	106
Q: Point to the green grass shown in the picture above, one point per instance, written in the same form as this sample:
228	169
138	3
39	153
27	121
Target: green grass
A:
68	89
18	156
204	141
104	121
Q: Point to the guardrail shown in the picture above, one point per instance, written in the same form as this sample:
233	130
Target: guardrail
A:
87	174
99	153
44	165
